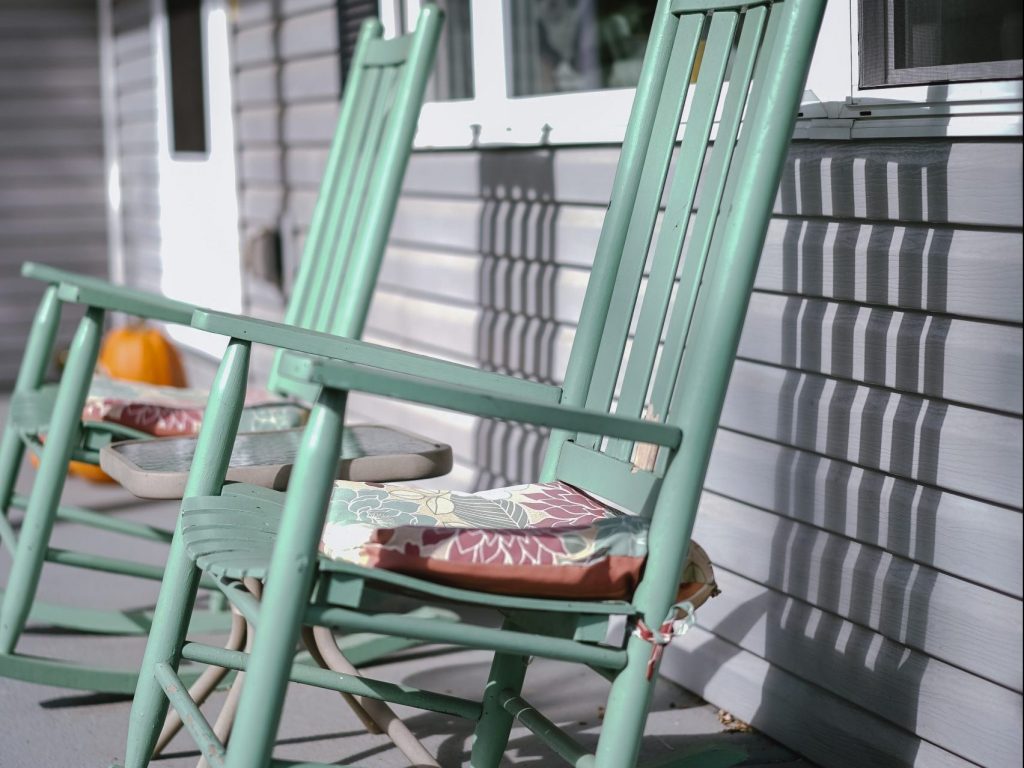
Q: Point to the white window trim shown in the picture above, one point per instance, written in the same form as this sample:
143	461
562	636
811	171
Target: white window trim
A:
834	106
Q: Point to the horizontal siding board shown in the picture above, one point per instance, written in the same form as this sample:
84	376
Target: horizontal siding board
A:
944	705
975	273
933	181
444	174
305	165
828	729
81	107
953	359
961	449
963	624
306	79
253	45
439	222
52	191
34	170
960	536
309	33
310	123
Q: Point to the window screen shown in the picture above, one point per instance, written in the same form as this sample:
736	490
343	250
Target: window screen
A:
909	42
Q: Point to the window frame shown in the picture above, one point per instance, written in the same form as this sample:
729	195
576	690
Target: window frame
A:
834	104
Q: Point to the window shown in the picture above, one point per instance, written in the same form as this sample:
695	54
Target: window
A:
907	42
550	72
561	46
187	87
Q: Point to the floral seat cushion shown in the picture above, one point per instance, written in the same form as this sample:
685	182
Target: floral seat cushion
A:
165	411
541	540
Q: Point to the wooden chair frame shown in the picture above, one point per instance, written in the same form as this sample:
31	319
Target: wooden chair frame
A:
673	385
347	239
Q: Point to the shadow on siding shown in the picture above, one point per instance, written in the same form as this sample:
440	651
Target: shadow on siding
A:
517	330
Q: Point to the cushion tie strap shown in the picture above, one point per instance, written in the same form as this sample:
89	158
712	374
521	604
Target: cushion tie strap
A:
671	627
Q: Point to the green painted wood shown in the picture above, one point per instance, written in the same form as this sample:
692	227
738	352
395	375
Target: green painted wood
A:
79	677
388	53
333	571
333	681
608	478
176	691
703	229
418	389
360	352
38	350
356	205
645	210
739	188
181	577
119	297
467	635
668	251
704	6
39	518
554	737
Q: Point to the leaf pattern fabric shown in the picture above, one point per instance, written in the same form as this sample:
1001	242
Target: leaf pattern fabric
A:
543	539
165	411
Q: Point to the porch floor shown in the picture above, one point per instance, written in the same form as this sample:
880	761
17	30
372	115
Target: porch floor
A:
69	729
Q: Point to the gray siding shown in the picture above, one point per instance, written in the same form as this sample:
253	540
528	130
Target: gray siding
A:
51	158
864	499
287	82
863	503
135	113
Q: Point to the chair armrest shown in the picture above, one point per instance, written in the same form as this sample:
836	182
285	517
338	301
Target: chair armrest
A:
338	348
469	399
100	293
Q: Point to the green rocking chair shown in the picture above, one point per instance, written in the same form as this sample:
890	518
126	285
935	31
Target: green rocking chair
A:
338	271
606	533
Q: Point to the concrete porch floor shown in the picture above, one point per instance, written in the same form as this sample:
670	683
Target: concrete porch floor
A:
61	728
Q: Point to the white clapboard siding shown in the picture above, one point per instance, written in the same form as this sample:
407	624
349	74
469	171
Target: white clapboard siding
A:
52	192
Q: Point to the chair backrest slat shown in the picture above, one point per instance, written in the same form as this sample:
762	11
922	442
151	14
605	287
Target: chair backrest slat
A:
702	260
675	223
722	156
645	211
359	192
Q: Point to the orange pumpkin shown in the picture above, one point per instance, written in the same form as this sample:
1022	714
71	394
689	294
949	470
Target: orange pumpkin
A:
134	352
77	468
138	352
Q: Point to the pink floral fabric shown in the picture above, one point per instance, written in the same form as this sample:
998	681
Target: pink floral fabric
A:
164	411
546	539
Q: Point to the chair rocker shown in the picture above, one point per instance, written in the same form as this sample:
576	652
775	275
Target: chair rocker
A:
338	271
606	532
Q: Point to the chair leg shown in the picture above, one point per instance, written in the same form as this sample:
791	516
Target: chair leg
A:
41	512
288	584
490	738
626	711
34	362
167	634
205	685
12	450
181	577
